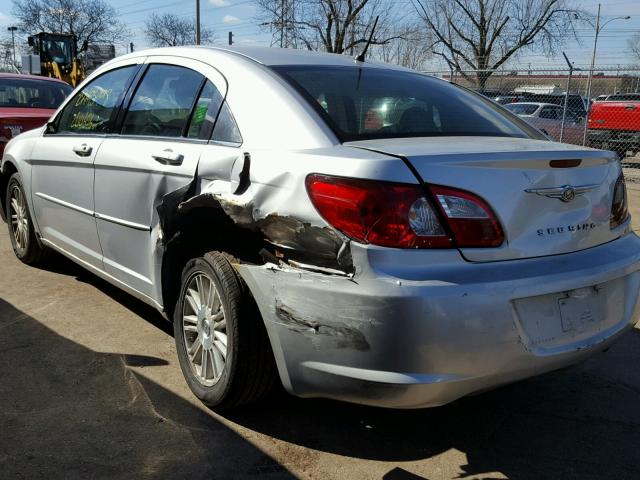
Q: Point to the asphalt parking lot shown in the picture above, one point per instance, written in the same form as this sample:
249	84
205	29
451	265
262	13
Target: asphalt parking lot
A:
90	388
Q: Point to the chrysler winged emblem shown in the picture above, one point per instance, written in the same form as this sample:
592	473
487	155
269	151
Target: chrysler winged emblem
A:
565	193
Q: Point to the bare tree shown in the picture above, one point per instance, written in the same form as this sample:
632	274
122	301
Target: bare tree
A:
634	46
482	35
411	48
93	21
335	26
169	30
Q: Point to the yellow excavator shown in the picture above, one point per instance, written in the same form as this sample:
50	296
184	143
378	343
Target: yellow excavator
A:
59	56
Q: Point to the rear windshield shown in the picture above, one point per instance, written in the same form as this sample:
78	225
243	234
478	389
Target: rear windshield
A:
28	93
521	109
369	103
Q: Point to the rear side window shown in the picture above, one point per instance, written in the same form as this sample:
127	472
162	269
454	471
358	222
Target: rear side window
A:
94	108
163	102
226	129
631	97
204	115
550	113
361	103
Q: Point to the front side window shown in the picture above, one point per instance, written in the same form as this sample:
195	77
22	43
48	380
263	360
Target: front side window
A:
549	113
163	102
522	108
368	103
94	108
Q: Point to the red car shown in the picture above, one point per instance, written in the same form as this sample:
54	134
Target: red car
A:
27	102
614	124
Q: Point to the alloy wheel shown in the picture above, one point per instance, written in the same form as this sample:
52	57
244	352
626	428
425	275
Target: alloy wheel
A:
204	329
19	218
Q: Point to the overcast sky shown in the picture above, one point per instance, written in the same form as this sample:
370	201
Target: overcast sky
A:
238	16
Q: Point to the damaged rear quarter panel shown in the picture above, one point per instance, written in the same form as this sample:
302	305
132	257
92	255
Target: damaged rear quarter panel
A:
276	202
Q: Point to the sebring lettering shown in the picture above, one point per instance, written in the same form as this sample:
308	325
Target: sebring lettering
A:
542	232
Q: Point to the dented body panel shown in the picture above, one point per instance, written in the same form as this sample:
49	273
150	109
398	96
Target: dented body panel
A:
394	327
425	330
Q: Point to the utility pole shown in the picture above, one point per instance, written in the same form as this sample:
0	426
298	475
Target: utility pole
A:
13	29
598	28
197	22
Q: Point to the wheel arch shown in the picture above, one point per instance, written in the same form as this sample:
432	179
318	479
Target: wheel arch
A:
197	231
8	169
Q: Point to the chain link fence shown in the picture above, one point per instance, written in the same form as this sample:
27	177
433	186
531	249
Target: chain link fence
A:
601	110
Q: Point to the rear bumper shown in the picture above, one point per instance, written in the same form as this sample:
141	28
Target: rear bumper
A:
409	334
613	138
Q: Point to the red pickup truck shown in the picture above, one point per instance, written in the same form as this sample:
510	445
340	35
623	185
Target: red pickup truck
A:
614	124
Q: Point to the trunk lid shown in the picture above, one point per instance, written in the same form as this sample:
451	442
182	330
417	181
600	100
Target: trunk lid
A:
615	116
513	176
14	121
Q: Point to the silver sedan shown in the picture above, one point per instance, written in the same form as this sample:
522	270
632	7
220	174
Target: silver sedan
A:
549	119
352	230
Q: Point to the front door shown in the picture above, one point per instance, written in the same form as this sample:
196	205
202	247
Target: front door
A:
63	172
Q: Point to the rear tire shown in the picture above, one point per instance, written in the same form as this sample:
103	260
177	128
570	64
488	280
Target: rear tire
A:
217	324
21	230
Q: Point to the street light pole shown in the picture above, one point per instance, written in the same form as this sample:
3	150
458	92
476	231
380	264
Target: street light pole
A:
13	29
598	28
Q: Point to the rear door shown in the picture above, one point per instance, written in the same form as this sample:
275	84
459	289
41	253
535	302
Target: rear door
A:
163	132
62	174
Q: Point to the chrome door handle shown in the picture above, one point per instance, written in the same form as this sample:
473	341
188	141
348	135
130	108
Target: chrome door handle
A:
168	157
83	150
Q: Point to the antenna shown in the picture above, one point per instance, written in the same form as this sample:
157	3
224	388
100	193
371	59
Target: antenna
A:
361	55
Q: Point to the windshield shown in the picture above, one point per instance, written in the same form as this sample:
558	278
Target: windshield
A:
368	103
521	109
19	93
57	50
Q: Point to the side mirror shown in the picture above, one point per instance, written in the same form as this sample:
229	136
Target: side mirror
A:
30	41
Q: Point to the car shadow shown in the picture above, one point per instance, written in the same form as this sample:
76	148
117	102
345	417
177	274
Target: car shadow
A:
62	265
582	422
70	412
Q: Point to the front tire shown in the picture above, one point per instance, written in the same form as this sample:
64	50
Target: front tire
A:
222	345
21	231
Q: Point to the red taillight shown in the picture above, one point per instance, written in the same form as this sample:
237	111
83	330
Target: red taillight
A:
401	215
619	207
470	219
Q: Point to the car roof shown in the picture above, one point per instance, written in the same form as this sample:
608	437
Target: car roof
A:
268	56
26	76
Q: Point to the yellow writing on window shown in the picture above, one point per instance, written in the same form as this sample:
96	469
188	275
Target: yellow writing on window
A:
85	121
94	95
